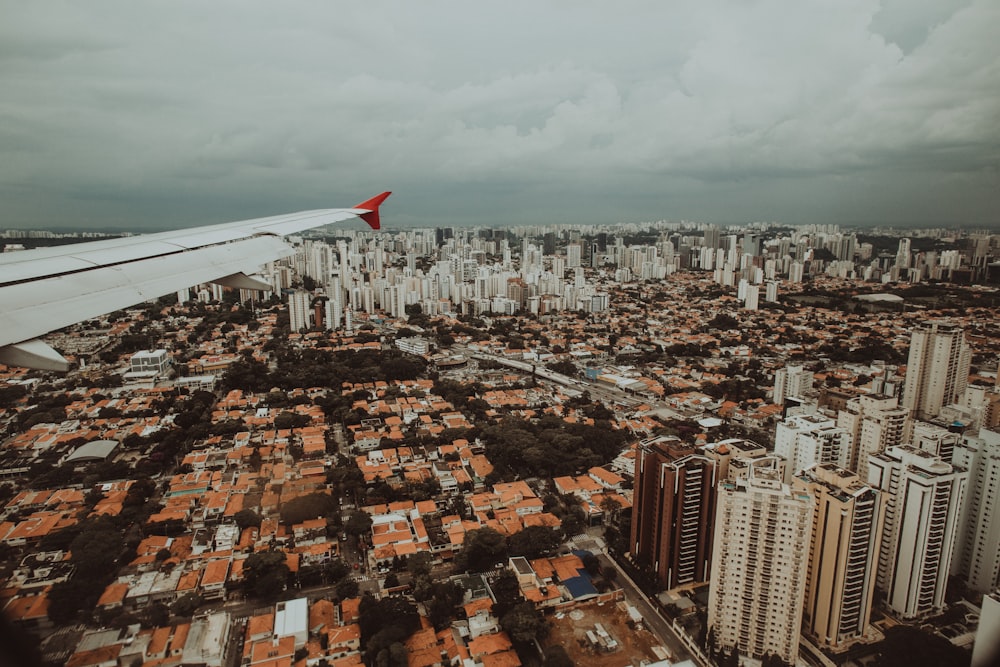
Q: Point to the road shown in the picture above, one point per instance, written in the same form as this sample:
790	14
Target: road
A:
602	392
654	621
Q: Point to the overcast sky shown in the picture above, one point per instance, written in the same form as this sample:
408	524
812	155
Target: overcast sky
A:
165	114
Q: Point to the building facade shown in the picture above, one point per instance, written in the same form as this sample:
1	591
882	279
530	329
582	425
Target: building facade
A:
977	550
673	511
937	369
924	504
846	535
761	544
805	440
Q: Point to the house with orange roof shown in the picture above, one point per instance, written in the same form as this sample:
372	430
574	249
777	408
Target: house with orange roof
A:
606	478
343	638
309	532
213	579
29	611
268	653
495	644
113	596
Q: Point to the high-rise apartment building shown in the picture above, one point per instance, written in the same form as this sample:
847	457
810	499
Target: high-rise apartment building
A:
937	370
925	496
673	511
977	549
573	255
805	440
875	421
903	254
300	315
735	457
759	566
845	540
791	381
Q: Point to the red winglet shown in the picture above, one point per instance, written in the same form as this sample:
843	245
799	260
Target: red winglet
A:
372	205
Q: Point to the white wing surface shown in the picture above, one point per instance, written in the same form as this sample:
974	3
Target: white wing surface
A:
49	288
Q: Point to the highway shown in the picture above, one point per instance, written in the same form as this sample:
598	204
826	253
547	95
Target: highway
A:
602	392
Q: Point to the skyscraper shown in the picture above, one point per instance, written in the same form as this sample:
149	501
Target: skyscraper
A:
846	536
977	550
791	381
937	370
761	545
875	422
299	314
805	440
674	511
925	497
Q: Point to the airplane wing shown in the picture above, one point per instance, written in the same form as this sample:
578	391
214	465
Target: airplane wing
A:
49	288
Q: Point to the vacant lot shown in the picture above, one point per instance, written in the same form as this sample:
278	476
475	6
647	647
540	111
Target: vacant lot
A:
571	631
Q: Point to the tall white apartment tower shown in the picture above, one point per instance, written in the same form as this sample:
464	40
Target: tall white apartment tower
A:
937	370
805	440
334	313
846	535
300	315
903	257
791	381
875	422
761	545
977	550
573	255
925	496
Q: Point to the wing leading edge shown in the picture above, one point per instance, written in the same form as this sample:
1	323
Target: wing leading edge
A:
49	288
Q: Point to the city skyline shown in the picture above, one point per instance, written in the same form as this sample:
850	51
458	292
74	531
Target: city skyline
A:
134	117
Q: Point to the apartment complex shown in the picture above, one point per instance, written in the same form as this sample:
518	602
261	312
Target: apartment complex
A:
845	540
977	550
875	421
805	440
925	497
937	370
674	496
762	536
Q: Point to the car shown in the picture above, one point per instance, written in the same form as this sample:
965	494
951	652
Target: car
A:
355	566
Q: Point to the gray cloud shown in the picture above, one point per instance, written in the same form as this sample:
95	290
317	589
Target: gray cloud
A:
165	114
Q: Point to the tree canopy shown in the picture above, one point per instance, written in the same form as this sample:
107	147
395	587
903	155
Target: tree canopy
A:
309	506
481	550
551	447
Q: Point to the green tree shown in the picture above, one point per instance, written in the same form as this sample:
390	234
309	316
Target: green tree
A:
385	622
309	506
481	550
506	593
246	518
524	623
186	605
358	523
266	573
535	541
347	588
419	563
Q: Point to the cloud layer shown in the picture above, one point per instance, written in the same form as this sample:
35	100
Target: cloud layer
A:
173	113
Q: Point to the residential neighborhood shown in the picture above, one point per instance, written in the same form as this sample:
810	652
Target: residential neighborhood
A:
441	458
